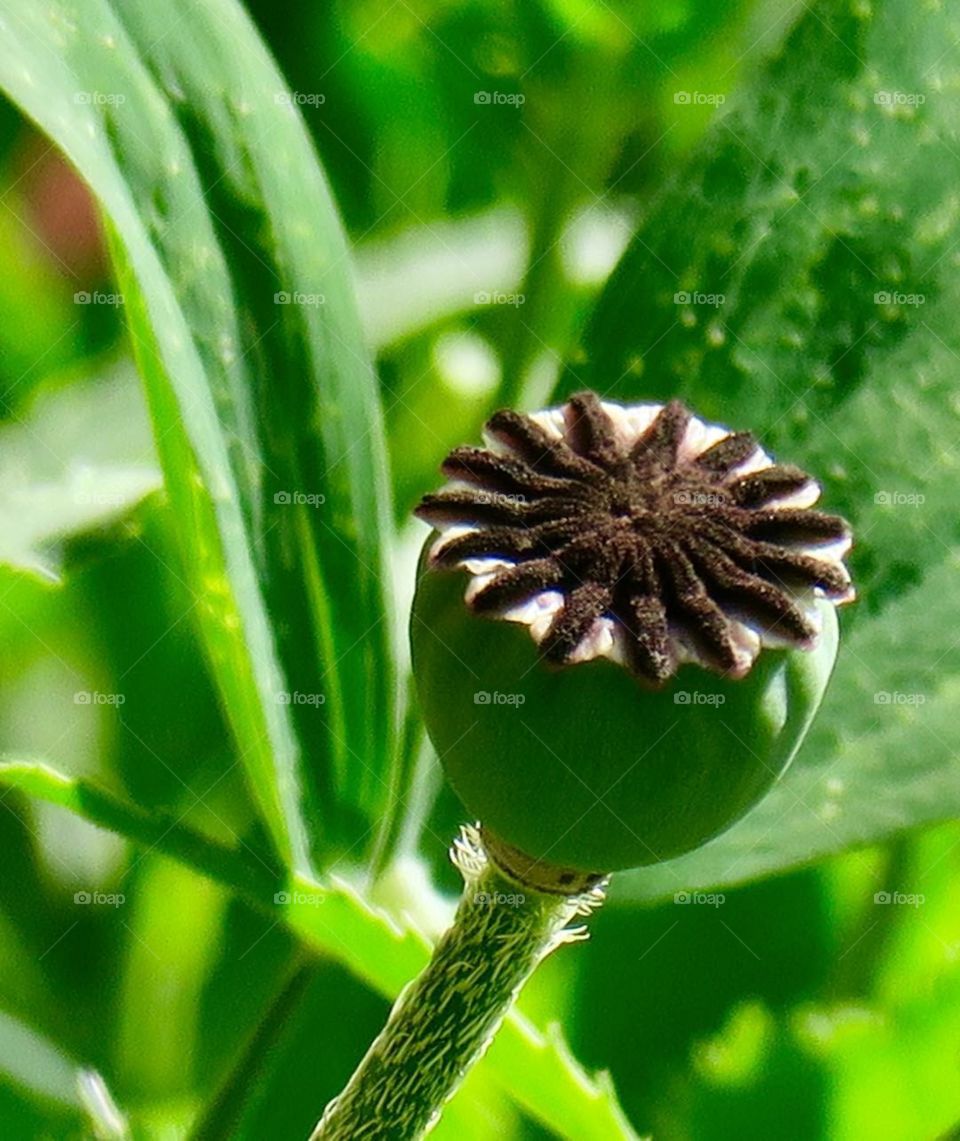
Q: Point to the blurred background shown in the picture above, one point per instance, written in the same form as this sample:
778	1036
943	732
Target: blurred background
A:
490	161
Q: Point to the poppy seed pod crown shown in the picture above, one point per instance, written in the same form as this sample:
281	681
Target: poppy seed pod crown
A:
624	623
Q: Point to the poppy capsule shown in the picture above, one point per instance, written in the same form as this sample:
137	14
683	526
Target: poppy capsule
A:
623	626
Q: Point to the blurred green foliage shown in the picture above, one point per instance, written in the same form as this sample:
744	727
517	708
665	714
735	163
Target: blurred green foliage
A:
490	162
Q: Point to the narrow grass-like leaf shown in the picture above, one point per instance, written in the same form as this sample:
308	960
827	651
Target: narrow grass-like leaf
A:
233	868
240	305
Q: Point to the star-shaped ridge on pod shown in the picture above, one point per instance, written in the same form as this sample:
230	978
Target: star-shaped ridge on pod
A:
638	533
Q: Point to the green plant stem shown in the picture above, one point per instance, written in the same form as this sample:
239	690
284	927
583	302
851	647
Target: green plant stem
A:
236	868
444	1020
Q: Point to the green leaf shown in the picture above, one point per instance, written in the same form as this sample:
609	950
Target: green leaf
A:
430	273
335	920
540	1072
34	1064
81	458
265	412
234	868
798	278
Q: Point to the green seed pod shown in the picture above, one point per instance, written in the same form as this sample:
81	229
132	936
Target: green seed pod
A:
623	626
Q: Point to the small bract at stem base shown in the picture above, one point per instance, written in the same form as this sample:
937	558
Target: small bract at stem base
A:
446	1018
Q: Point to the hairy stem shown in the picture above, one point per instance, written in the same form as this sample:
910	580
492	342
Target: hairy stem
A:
445	1019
